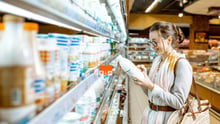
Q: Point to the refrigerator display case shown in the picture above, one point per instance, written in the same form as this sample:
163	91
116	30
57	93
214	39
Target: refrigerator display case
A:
139	50
206	73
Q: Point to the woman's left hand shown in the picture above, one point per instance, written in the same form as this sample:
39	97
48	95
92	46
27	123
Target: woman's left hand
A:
145	83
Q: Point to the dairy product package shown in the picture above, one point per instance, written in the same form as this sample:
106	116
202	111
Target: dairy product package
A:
130	68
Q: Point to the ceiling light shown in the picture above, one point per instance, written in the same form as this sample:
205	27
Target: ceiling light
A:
219	16
180	14
185	1
152	6
181	3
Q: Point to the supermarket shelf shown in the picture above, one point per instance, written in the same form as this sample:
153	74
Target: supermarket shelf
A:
115	94
107	95
208	86
89	71
216	67
71	17
110	118
125	110
140	51
141	60
55	111
110	88
137	47
138	43
110	59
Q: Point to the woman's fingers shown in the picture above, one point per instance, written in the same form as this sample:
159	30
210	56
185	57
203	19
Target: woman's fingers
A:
136	80
145	74
142	68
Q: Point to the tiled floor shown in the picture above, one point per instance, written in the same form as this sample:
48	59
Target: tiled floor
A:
138	102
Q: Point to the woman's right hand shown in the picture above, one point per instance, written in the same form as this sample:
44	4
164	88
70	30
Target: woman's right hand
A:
143	69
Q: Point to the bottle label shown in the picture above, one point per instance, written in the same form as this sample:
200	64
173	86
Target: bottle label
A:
16	86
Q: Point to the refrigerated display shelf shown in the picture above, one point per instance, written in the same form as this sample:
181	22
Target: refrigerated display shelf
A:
114	109
209	92
56	110
216	68
107	95
141	60
138	43
53	113
125	109
89	71
104	100
138	47
208	86
73	17
112	114
130	51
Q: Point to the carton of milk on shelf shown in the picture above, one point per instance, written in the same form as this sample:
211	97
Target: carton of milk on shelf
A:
130	68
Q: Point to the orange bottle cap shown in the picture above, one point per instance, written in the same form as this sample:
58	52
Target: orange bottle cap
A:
30	26
1	26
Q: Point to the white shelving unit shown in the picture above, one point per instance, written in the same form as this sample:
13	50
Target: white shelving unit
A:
137	46
69	17
55	112
139	50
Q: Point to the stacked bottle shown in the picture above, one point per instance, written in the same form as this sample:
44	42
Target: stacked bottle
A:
46	56
1	30
30	31
55	65
62	43
16	74
82	56
74	62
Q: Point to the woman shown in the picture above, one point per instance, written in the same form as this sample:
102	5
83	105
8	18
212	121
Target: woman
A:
170	77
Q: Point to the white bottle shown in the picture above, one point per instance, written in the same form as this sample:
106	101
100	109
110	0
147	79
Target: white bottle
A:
30	31
1	30
130	68
16	81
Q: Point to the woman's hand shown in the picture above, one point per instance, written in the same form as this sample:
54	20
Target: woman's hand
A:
146	82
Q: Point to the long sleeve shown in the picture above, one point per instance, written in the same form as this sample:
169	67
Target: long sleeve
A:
182	84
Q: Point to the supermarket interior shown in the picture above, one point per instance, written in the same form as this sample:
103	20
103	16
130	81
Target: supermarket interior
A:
73	61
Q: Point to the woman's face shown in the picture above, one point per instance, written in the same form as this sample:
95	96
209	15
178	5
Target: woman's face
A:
159	44
155	39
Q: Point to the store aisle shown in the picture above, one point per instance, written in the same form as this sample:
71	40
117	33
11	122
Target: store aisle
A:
138	101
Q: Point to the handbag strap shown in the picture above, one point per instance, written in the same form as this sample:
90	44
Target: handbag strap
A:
193	83
197	96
